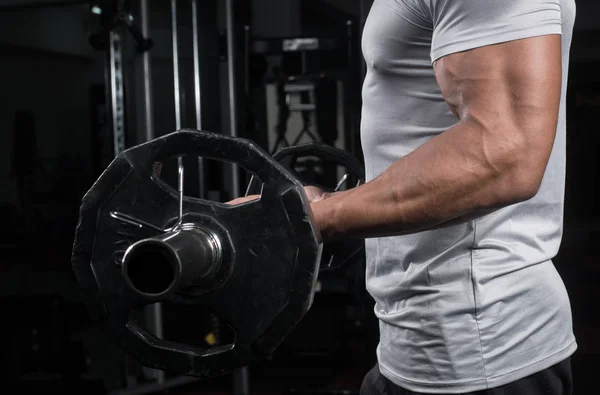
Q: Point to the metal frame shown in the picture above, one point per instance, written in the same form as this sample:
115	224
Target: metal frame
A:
153	316
176	86
147	75
117	97
240	377
197	93
233	117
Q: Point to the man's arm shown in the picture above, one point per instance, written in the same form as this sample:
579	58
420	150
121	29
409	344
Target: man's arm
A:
506	97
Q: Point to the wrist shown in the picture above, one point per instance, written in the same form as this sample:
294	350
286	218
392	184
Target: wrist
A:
324	216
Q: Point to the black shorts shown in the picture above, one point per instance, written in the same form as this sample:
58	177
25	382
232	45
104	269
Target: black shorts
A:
556	380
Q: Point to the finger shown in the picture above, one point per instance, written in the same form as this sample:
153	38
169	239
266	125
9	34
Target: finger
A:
243	199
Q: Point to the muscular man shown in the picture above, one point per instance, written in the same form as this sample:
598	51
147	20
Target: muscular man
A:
463	131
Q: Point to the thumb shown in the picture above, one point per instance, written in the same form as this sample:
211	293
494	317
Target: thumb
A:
314	194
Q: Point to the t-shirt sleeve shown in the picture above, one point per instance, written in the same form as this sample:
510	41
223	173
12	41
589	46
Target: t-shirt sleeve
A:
461	25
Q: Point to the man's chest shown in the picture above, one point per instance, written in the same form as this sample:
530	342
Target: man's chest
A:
394	39
403	104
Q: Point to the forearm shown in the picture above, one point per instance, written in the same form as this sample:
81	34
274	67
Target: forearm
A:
458	174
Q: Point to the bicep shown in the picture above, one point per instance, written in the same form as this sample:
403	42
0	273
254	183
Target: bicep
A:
511	91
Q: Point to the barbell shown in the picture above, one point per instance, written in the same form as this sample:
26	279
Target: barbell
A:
140	241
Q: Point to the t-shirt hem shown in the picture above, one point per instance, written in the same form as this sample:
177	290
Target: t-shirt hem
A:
460	387
460	46
528	370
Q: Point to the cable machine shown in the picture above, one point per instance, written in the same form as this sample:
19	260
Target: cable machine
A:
116	16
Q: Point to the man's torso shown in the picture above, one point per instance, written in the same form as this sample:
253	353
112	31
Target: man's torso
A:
476	304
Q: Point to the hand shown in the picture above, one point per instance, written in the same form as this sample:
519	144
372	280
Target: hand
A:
314	194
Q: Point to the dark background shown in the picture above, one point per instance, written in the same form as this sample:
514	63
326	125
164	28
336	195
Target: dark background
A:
49	73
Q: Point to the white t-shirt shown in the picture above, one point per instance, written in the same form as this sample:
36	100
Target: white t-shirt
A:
480	304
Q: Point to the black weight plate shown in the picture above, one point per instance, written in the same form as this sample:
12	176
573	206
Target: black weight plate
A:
271	247
339	253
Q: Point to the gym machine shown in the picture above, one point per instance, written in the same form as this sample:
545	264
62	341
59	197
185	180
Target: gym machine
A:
115	16
315	80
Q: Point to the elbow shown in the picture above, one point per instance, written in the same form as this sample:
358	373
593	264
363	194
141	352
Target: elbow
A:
520	166
512	180
511	187
528	172
524	178
523	184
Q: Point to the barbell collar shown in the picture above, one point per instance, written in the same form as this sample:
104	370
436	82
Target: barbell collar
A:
186	256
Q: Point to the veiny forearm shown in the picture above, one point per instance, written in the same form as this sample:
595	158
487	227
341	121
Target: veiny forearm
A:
459	174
